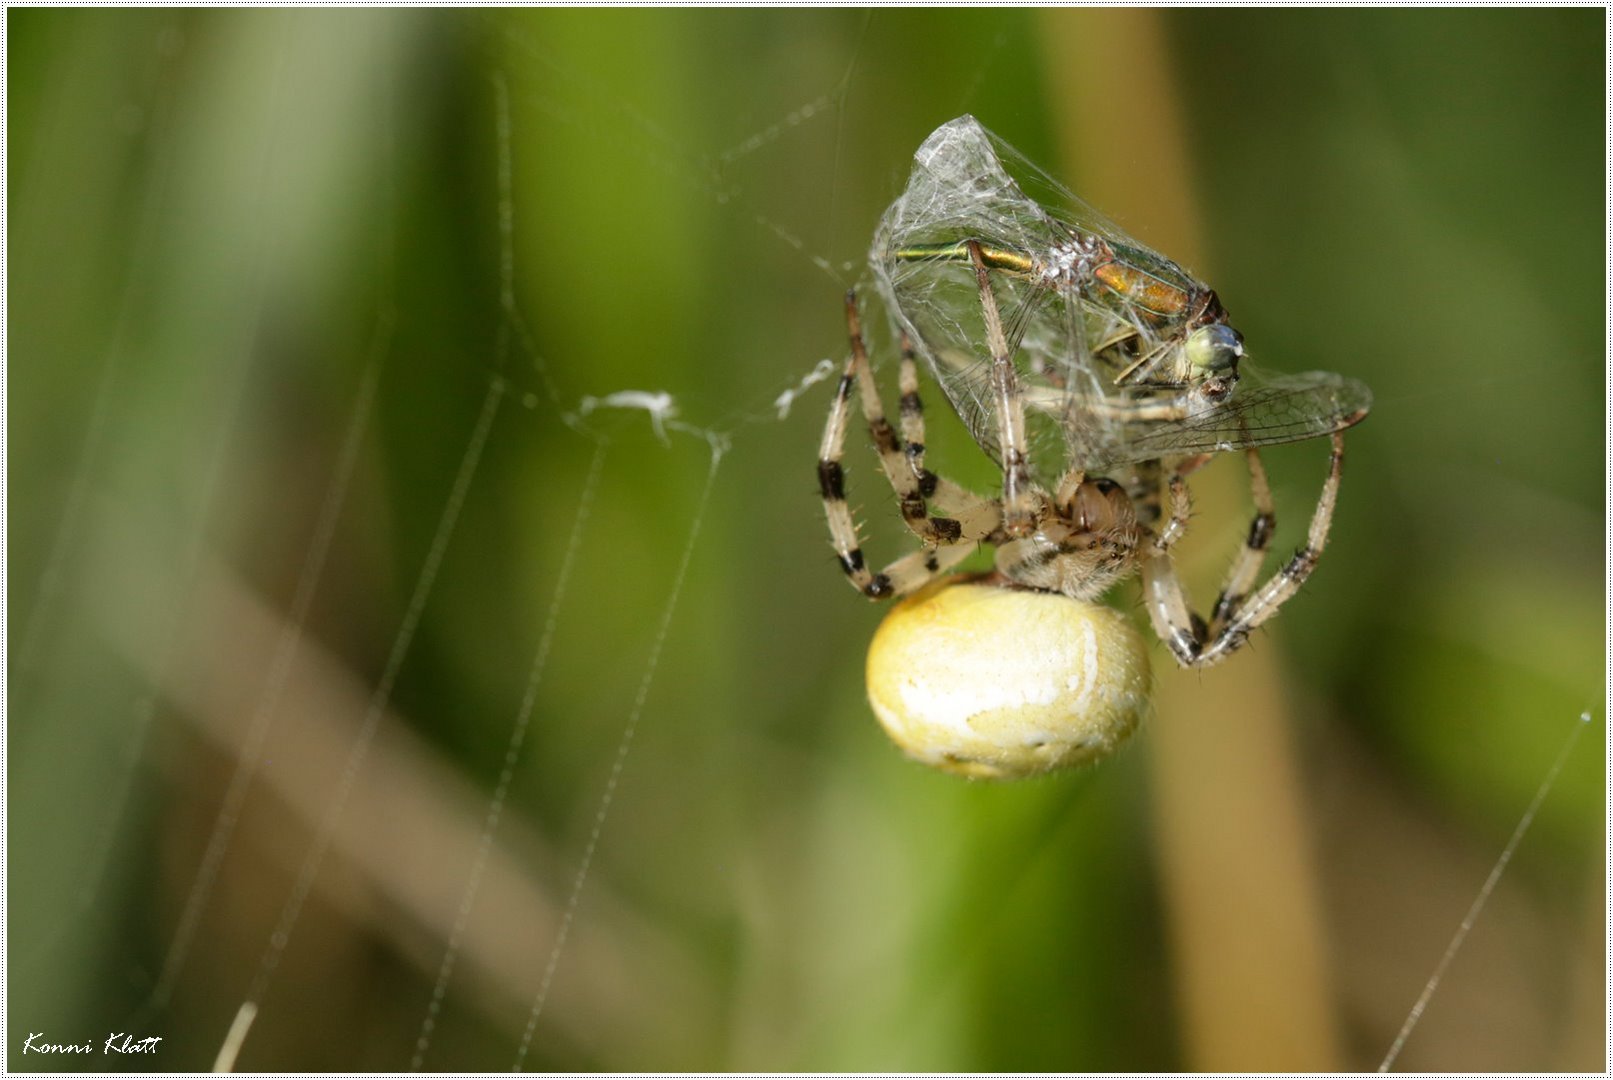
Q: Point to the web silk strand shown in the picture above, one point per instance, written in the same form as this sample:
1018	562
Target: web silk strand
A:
280	938
1485	890
512	758
620	760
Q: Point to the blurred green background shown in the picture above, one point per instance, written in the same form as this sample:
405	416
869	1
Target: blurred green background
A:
257	257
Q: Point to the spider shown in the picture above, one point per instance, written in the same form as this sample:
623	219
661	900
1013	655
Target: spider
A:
1057	552
1117	371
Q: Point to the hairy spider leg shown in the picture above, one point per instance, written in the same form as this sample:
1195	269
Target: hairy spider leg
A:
913	487
1187	634
1144	489
1252	556
911	409
948	540
1021	500
980	517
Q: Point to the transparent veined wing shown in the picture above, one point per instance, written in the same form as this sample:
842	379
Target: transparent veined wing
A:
967	180
960	190
1263	411
1109	429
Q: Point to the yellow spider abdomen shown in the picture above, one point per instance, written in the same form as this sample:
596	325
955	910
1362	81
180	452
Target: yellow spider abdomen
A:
1001	683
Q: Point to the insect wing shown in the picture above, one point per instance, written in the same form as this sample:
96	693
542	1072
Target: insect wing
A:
960	191
1263	411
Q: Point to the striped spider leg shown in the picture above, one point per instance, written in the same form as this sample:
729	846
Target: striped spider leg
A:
947	540
1020	502
1237	612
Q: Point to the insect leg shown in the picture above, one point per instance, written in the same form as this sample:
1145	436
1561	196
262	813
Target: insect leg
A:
1143	367
1167	409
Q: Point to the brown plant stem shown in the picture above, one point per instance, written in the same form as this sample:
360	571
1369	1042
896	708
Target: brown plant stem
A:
1242	901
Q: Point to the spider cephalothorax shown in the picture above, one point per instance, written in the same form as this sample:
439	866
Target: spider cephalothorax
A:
1081	546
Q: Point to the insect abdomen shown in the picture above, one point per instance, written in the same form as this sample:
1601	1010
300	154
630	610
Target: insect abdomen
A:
1139	287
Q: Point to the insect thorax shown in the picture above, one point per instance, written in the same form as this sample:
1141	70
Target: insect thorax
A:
1071	264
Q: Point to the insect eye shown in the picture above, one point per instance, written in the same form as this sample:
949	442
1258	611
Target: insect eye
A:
1214	349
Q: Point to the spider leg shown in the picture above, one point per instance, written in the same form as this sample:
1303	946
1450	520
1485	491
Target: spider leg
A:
911	408
832	484
1187	635
918	568
979	517
1181	502
946	548
1241	576
1264	603
1143	489
1020	502
913	485
1069	483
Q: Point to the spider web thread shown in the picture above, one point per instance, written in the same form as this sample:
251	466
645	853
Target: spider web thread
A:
718	446
280	938
512	759
1477	907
